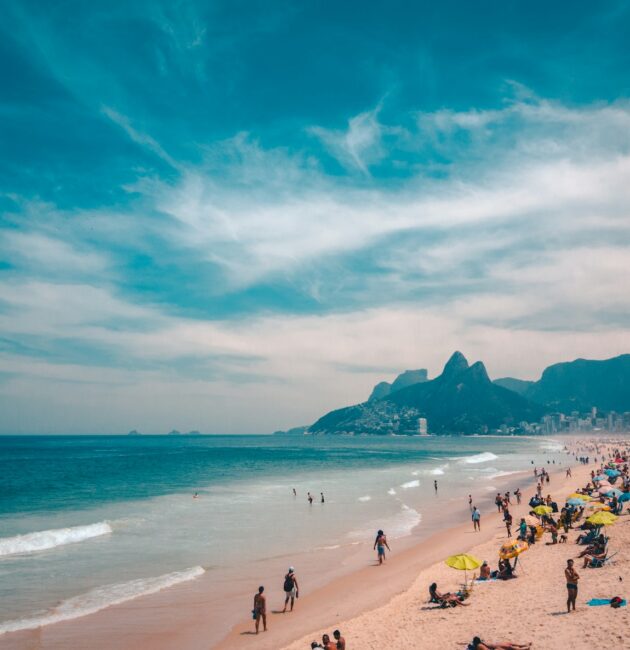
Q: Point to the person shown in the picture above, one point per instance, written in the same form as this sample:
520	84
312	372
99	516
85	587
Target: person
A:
341	642
444	599
508	524
484	571
380	543
518	495
568	472
470	502
499	502
476	519
435	486
327	644
478	644
294	492
196	495
310	498
322	496
505	570
315	645
572	578
291	589
260	609
522	529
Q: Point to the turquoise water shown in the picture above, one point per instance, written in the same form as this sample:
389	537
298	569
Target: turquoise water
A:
89	521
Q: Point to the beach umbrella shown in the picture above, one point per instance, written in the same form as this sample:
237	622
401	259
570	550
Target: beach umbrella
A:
597	506
612	472
512	548
543	510
576	502
463	562
601	477
614	492
602	519
532	521
577	495
625	496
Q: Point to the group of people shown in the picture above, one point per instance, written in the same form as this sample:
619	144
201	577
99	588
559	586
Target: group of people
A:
339	642
291	593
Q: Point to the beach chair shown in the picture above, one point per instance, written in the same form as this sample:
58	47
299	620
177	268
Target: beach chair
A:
597	563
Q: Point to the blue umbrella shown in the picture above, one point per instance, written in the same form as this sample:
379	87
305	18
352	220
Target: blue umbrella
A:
614	492
601	477
612	472
625	497
577	502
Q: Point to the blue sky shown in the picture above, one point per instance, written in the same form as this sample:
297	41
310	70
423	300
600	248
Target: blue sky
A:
235	216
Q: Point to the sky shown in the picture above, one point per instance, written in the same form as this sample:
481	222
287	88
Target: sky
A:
236	216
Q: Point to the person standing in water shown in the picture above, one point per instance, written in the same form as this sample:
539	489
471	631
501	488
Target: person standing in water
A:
435	486
310	498
380	543
291	590
322	496
294	492
260	609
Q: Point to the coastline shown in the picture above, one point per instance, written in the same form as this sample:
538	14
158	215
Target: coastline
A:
361	594
531	608
182	615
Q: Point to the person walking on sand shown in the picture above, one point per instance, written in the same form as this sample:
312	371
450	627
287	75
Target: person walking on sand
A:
435	486
572	578
291	589
341	642
380	543
470	502
476	519
517	493
260	609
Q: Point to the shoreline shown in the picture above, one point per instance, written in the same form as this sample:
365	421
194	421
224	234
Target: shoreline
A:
359	594
531	608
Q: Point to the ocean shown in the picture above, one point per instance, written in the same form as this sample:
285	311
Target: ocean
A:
91	521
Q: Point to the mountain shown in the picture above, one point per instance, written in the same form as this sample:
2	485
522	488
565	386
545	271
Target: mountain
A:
461	400
519	386
581	384
405	379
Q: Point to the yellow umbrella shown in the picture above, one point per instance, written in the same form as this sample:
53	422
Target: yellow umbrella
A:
602	518
463	562
542	510
577	495
512	548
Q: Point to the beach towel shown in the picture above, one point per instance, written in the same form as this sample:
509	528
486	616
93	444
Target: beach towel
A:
596	602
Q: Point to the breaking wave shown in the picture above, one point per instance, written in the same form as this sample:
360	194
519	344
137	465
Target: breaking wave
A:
100	598
47	539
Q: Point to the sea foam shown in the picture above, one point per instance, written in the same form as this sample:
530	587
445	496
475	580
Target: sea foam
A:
47	539
100	598
484	457
410	484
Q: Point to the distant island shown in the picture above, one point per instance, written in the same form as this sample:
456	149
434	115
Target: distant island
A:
133	432
582	395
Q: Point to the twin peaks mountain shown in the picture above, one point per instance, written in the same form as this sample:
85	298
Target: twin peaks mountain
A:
463	399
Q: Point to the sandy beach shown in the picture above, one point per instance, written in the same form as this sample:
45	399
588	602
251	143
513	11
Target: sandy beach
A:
529	609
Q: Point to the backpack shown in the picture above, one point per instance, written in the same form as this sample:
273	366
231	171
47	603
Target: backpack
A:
288	582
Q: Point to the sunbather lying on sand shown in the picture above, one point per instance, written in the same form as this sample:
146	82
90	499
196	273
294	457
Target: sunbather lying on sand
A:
478	644
444	599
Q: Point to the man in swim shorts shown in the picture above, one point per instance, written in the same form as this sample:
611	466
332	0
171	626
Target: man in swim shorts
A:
260	609
380	543
572	578
290	589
